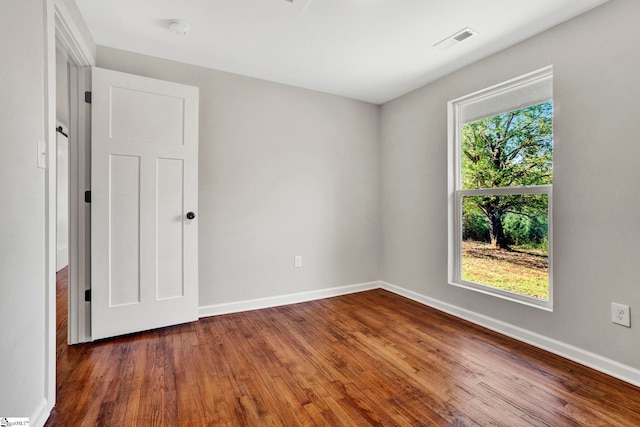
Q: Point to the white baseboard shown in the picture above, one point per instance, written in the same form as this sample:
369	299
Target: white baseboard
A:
40	415
256	304
611	367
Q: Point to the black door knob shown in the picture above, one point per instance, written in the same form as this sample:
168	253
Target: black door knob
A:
190	215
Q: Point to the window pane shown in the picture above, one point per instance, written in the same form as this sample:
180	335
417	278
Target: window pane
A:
509	150
505	243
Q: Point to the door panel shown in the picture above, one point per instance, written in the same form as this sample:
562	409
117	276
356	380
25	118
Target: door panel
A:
144	180
162	114
124	256
170	232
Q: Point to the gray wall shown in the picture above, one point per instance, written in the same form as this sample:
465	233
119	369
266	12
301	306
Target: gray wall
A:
62	172
283	171
62	89
22	211
596	197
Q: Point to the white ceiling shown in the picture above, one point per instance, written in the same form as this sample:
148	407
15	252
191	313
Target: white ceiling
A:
372	50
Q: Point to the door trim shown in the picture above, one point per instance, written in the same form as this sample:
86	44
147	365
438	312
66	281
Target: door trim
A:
59	25
80	55
69	36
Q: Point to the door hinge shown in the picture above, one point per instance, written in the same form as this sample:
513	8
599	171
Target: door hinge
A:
87	97
87	295
87	196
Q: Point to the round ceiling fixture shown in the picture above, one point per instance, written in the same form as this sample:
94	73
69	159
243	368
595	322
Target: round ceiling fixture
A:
177	26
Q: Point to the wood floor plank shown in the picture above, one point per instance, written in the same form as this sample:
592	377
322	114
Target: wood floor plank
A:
366	359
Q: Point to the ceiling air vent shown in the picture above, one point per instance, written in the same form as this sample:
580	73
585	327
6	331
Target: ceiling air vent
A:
456	38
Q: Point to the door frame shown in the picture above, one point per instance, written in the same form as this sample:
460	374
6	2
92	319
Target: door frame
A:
61	27
79	316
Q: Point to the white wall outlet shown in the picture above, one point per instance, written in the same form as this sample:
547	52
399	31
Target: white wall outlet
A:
297	261
620	314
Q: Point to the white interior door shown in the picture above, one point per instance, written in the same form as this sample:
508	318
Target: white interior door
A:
144	179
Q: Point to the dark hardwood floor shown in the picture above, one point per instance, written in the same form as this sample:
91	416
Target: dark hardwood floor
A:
372	358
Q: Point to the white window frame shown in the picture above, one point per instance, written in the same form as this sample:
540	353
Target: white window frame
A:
456	192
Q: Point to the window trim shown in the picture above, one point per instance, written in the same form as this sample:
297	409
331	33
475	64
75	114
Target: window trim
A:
456	193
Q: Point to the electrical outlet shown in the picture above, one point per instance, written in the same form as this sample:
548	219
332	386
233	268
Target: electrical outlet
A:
621	314
297	261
